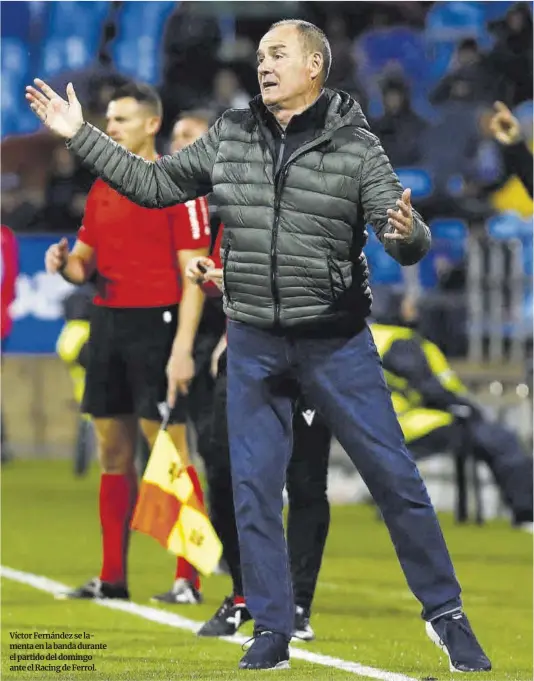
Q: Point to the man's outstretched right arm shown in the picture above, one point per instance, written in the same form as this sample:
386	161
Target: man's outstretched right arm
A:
170	180
154	184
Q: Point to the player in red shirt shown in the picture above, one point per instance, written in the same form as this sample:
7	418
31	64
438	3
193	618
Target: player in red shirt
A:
143	326
8	273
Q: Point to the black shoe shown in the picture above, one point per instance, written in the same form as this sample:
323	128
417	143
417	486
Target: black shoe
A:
269	651
227	620
453	634
302	628
182	593
96	588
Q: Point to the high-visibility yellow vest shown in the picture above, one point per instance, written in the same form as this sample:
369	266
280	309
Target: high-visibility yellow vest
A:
415	420
72	338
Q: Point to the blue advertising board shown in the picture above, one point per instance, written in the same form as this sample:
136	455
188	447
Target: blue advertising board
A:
37	310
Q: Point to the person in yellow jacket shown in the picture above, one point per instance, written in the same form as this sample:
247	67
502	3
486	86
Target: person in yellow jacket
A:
71	347
437	413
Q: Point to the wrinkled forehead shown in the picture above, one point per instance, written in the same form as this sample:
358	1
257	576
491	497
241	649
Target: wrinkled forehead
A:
281	37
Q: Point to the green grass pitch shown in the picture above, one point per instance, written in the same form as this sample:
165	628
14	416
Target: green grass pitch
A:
363	611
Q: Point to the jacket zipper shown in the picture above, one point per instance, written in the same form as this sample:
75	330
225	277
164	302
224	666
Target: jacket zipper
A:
334	267
225	261
274	234
279	176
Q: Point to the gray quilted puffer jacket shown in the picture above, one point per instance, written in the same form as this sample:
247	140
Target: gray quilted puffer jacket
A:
292	250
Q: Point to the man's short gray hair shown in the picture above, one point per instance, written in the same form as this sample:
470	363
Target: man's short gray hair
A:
313	39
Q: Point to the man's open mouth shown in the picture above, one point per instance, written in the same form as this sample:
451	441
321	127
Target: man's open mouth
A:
268	84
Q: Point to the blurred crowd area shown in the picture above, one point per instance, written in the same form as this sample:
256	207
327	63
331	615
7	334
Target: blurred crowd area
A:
425	73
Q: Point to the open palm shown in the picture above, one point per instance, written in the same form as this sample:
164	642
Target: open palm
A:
64	118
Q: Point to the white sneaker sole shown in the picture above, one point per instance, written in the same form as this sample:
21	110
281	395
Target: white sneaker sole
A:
432	635
302	636
177	601
281	665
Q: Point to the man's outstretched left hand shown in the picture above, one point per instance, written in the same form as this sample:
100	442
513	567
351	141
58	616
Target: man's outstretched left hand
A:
401	220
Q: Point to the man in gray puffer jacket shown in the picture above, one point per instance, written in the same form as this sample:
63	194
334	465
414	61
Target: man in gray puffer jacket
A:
296	177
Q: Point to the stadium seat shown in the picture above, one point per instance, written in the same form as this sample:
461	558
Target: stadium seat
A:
396	50
418	180
383	269
16	117
449	242
14	57
77	19
496	9
452	21
509	225
396	44
65	54
16	19
73	33
446	24
137	49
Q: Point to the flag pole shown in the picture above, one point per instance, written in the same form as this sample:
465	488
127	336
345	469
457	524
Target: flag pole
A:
165	413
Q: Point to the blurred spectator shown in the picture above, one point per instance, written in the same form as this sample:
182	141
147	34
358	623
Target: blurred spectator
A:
344	69
470	77
488	166
65	193
8	273
505	128
450	153
227	92
511	56
20	206
190	42
400	128
189	126
9	265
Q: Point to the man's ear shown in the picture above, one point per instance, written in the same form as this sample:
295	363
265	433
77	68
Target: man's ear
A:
153	125
315	61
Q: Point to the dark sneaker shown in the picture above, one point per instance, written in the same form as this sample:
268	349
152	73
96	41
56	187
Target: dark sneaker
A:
269	651
227	620
302	630
182	593
453	634
96	588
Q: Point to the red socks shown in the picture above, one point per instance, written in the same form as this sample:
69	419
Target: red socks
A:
239	600
185	570
118	494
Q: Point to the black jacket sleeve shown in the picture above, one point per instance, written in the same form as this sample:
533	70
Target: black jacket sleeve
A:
154	184
380	190
519	160
406	359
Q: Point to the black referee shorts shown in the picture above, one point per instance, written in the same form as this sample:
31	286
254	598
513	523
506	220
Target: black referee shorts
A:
128	351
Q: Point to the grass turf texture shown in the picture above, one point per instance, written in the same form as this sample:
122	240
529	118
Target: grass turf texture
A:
363	611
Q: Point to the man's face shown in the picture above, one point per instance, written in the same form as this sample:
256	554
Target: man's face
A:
131	123
185	132
285	71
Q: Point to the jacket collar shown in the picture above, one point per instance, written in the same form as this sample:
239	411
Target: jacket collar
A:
333	109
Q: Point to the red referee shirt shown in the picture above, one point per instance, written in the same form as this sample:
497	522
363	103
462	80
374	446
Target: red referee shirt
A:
136	247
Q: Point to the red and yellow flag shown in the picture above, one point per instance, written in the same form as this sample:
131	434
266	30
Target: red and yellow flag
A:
169	510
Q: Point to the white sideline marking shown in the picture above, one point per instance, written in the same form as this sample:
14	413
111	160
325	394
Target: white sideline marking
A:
179	622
